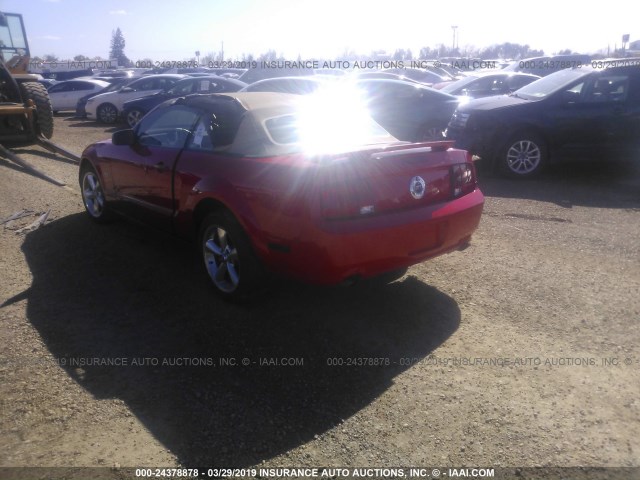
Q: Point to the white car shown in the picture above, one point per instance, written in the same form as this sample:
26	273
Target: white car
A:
107	107
65	95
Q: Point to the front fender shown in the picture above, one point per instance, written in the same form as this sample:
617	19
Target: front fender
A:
91	158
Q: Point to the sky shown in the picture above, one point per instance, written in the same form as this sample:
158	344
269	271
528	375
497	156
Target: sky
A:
174	30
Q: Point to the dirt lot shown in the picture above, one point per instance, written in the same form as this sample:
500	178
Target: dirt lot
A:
524	350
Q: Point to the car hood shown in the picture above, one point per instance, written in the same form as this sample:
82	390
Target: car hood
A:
492	103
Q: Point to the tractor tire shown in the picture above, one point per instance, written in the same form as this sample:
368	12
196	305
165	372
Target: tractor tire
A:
44	113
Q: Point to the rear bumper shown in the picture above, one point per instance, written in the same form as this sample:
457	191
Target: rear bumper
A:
366	247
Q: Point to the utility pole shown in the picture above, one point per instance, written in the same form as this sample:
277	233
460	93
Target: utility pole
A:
453	45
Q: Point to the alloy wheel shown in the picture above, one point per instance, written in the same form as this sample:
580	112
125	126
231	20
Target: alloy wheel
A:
221	259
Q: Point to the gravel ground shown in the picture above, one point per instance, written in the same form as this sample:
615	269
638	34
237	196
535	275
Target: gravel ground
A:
521	351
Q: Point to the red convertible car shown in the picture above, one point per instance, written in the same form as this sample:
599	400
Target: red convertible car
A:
300	186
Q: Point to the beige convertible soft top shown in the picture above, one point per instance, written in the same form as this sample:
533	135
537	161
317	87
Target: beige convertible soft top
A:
252	138
253	110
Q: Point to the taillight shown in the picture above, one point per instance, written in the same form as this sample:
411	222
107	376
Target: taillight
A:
463	179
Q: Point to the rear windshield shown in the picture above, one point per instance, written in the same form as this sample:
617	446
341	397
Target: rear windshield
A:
295	130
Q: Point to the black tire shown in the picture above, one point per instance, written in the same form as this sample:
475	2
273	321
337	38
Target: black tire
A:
133	116
107	113
230	262
44	112
93	198
430	133
524	155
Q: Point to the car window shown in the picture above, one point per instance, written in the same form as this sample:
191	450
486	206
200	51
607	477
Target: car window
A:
201	138
163	83
215	87
60	87
143	84
85	86
212	87
290	129
214	130
485	84
608	88
497	85
575	93
183	88
168	127
518	81
458	84
267	86
283	130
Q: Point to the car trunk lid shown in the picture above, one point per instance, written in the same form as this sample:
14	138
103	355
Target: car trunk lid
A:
398	177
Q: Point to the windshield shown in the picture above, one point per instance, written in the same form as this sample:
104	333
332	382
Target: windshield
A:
12	38
550	84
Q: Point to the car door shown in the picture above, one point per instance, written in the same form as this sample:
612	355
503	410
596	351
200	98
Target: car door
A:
600	118
58	94
572	122
79	89
628	117
617	96
143	174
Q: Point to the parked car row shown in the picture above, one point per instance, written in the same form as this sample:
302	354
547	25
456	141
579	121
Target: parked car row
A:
512	129
134	110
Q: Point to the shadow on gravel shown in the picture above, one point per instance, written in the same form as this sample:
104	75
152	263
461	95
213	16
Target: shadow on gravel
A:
122	291
45	154
84	122
588	184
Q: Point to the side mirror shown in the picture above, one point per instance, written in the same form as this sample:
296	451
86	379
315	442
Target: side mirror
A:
123	137
126	90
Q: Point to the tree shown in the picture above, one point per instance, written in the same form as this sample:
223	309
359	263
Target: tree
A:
426	53
117	48
50	57
80	58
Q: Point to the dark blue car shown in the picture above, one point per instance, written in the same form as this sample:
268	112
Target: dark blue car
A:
134	110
